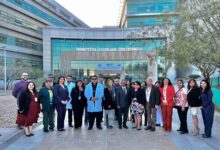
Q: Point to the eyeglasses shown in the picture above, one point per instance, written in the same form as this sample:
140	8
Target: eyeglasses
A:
94	78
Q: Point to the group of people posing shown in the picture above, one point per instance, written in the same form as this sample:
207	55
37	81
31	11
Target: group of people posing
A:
115	98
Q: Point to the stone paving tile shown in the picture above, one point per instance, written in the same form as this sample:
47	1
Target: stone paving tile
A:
117	139
7	133
114	139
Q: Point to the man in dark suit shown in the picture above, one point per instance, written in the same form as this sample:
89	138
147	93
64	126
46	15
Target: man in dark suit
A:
123	102
152	98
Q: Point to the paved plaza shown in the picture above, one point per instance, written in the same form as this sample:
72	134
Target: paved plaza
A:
114	139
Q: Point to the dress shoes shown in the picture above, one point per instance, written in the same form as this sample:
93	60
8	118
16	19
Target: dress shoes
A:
109	127
71	125
125	127
51	129
152	129
89	128
61	129
46	130
148	128
100	128
205	136
184	132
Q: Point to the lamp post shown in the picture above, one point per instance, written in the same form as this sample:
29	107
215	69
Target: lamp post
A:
5	78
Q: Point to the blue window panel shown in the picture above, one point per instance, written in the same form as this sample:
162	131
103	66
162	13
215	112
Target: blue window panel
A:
150	21
34	10
10	40
149	6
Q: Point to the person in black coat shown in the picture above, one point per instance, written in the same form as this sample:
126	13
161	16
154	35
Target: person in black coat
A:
123	101
108	103
208	108
29	108
194	103
152	99
78	103
61	96
138	103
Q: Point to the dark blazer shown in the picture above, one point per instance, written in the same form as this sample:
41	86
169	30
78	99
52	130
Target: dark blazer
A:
24	102
44	98
139	95
193	98
60	93
108	102
206	98
154	96
123	100
75	95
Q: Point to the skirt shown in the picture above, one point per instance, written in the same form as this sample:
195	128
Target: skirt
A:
31	117
137	109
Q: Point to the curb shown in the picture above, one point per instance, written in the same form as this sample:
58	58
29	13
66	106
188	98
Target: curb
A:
15	136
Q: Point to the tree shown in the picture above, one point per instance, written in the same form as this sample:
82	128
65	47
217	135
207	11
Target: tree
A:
195	39
12	75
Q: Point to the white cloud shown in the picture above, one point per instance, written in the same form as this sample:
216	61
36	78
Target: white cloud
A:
95	13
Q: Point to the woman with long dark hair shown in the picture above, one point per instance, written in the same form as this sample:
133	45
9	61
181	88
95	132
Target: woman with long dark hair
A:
29	108
194	103
138	103
167	93
61	96
208	108
182	106
78	103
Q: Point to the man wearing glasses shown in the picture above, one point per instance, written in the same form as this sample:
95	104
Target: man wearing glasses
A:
94	93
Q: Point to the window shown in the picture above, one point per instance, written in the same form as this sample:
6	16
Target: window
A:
3	38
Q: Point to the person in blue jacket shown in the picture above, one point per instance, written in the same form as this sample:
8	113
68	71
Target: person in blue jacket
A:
61	97
94	93
70	85
207	107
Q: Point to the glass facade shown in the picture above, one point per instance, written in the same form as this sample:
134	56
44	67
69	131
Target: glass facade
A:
36	11
14	64
11	19
10	40
133	67
150	6
150	21
150	12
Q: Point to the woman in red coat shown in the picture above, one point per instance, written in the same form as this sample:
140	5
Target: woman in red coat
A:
167	94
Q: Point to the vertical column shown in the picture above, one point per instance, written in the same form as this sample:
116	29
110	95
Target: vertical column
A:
47	59
152	67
